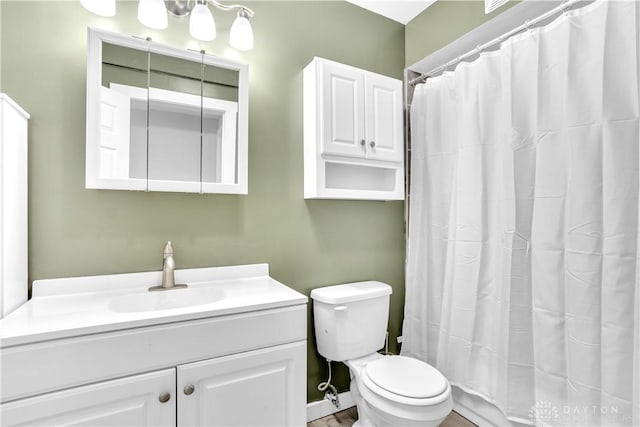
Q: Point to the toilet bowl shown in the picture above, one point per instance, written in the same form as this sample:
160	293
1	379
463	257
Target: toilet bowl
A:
398	391
350	323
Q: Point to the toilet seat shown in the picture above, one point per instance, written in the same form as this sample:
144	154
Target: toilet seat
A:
406	377
429	388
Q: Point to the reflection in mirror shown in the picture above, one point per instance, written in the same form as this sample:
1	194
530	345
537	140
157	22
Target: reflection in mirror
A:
162	119
175	117
123	134
219	112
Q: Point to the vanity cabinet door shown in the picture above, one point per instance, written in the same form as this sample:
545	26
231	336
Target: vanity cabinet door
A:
264	387
140	400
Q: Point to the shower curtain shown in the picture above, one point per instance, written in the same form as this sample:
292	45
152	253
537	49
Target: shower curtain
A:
523	266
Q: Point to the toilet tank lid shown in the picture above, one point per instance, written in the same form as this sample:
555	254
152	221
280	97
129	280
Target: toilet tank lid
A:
348	292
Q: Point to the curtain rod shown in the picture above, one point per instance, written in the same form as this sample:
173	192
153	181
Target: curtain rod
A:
527	25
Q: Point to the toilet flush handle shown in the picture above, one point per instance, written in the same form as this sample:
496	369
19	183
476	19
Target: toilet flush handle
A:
340	308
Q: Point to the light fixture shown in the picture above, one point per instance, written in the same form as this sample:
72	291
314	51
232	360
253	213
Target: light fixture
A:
100	7
153	14
203	27
201	23
241	34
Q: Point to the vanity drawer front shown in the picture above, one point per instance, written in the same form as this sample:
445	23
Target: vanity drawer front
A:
53	365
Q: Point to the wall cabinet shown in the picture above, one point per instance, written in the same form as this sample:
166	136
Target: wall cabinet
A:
353	133
248	389
164	119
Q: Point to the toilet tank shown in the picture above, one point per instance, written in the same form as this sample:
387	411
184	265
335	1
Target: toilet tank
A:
350	320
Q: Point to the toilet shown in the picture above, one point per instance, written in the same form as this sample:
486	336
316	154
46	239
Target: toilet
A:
350	323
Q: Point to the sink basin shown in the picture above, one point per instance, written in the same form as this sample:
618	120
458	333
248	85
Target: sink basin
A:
165	300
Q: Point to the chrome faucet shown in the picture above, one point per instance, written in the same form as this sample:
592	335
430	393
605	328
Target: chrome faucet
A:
168	267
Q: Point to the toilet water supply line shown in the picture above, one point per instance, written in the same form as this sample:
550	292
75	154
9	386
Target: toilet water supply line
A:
332	395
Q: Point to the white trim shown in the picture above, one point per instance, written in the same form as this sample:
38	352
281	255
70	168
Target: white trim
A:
322	408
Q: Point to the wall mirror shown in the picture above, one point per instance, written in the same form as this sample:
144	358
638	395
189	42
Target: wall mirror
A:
164	119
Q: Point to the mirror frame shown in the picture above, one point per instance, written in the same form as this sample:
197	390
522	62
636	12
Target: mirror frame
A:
95	38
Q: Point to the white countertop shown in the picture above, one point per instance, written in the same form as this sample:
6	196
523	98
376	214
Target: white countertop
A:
63	308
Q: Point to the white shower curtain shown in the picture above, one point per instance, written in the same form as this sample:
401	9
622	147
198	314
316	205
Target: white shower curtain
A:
523	256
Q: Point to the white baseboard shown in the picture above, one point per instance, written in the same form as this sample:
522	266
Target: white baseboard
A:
473	408
322	408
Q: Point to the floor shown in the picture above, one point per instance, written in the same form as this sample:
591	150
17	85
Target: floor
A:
347	417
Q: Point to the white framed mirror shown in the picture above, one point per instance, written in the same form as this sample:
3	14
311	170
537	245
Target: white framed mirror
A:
164	119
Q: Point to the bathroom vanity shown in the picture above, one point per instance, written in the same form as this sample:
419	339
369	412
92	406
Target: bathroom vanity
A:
229	350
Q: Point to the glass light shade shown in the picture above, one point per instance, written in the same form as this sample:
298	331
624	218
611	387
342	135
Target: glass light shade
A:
241	34
153	14
100	7
201	23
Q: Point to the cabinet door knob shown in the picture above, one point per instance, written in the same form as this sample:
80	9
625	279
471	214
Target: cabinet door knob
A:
372	144
189	389
363	142
164	397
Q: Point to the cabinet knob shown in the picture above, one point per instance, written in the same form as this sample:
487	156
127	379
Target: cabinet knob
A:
363	142
372	144
189	389
164	397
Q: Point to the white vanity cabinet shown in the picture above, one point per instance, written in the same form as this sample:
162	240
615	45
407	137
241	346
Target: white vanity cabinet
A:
75	355
353	133
259	388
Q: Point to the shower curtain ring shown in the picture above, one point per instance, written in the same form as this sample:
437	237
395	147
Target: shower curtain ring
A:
455	63
527	25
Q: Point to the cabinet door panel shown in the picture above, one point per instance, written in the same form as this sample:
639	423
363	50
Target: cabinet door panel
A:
342	110
258	388
130	401
384	118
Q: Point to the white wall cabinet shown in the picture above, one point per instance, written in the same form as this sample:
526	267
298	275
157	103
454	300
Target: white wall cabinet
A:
153	126
353	133
13	205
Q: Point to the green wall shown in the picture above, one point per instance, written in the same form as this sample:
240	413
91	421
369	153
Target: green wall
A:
443	22
74	231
